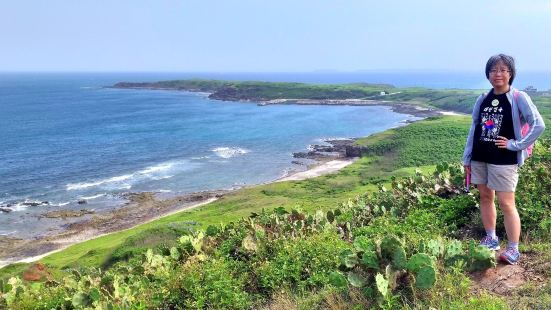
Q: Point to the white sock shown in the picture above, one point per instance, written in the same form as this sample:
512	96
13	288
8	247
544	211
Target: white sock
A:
491	233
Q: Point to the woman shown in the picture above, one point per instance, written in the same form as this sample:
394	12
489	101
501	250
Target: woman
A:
496	148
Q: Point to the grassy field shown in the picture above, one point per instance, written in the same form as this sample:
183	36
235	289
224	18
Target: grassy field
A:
396	152
417	140
328	260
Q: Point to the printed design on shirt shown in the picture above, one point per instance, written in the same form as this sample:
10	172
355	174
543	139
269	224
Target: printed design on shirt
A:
491	121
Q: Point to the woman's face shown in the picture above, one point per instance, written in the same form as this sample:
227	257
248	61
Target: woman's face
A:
500	75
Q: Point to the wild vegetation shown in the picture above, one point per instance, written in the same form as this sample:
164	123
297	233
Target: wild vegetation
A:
394	230
400	246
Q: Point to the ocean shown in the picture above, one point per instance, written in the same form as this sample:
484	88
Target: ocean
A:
65	137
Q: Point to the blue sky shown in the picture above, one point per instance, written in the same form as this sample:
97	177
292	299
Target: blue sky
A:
271	36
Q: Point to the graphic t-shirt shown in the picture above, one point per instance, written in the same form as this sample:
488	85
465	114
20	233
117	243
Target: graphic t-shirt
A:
495	119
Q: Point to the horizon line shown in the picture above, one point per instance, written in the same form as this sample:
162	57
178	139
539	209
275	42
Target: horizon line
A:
258	72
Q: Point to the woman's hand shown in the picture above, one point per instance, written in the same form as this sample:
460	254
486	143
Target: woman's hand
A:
467	178
501	142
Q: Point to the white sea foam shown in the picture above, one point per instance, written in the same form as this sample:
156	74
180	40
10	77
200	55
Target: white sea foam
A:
229	152
162	177
126	181
7	233
324	139
23	205
110	181
157	168
18	207
92	197
201	157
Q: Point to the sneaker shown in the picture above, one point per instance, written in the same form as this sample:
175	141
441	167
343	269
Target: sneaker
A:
510	256
490	243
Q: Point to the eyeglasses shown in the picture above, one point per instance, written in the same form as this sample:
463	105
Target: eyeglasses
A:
496	71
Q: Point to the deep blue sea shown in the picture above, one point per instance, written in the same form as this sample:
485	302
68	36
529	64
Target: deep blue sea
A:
64	137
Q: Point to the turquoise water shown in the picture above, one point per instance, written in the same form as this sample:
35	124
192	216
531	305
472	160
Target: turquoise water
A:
65	138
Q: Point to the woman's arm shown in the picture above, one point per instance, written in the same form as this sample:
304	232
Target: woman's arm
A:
533	117
469	145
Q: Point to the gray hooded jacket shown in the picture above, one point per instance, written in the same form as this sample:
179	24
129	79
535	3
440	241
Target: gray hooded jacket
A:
524	111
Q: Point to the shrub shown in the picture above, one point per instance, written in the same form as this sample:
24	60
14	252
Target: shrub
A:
302	264
213	284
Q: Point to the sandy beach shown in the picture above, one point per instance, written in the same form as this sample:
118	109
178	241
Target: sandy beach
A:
321	169
396	106
141	208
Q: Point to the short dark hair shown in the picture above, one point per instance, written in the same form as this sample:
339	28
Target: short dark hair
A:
507	60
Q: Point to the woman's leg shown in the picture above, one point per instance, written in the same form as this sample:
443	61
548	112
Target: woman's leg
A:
487	207
511	218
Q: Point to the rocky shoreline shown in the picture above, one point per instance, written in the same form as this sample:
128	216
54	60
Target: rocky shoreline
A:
140	208
146	206
335	148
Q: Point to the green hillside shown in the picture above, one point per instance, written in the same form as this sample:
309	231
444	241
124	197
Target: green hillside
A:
393	230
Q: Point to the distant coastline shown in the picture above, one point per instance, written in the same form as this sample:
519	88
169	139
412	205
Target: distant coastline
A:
407	101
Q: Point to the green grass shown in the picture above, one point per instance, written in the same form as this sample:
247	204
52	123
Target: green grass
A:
429	142
544	107
396	152
324	192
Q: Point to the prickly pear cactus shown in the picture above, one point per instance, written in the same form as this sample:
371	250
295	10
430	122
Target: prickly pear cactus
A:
337	279
174	253
363	244
454	248
330	216
349	258
382	284
80	299
356	279
370	260
197	242
388	245
419	260
455	254
435	247
399	259
186	239
480	258
392	277
425	277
